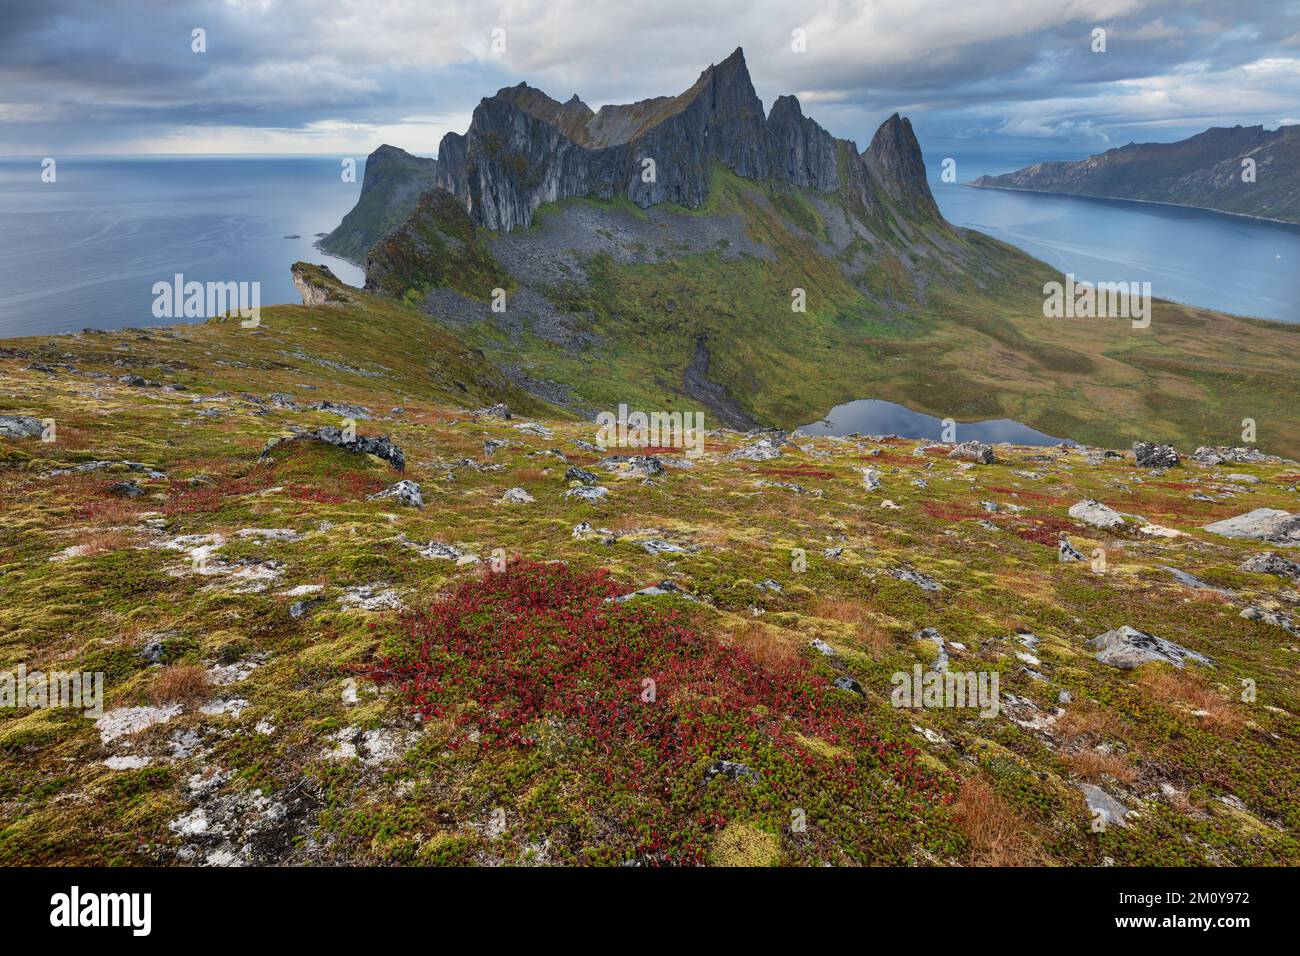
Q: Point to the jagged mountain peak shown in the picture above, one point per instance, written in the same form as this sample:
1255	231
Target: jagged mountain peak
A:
525	148
895	155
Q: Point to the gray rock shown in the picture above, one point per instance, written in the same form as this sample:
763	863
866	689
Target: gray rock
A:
975	451
126	489
1276	618
1150	455
580	474
1097	514
1099	801
1262	524
765	448
731	770
636	466
589	493
20	426
924	582
1066	551
517	496
655	590
850	685
1127	647
1221	454
360	444
1270	562
405	492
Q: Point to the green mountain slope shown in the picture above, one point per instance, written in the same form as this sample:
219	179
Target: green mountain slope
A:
390	187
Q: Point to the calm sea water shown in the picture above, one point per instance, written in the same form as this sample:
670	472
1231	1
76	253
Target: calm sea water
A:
1228	263
84	252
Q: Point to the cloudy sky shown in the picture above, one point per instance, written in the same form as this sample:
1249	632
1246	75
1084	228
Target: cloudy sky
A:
342	76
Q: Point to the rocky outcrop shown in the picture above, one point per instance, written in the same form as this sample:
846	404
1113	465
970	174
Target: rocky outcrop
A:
894	159
524	148
1151	455
1127	647
310	282
390	187
1263	524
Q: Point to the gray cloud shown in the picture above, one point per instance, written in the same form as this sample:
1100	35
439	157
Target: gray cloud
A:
339	76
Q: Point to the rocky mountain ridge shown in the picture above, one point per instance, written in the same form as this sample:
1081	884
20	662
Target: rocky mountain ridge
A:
524	149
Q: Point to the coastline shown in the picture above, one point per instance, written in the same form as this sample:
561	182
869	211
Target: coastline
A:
1294	224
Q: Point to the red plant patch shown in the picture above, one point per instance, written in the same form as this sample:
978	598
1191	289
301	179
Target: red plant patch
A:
646	705
1045	531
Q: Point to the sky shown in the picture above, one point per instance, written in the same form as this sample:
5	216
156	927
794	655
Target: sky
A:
340	77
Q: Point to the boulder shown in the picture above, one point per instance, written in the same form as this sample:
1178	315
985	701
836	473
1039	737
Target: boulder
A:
1270	562
1150	455
405	492
1066	551
1127	647
975	451
1102	803
1098	515
19	426
580	474
1262	524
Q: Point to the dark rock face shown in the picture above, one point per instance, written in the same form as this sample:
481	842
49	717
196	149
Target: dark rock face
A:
800	151
1151	455
894	156
523	149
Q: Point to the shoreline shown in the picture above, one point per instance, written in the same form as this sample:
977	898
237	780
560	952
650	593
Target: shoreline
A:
1151	202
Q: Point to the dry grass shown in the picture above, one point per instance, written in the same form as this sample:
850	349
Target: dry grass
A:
523	475
1165	685
771	648
101	541
1084	723
998	835
1096	767
180	684
873	638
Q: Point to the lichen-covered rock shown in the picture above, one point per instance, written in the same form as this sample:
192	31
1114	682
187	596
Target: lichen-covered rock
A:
1151	455
405	492
19	426
1263	524
1097	514
1127	647
975	451
1270	562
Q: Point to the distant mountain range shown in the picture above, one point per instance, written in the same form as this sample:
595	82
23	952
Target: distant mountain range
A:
1206	170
